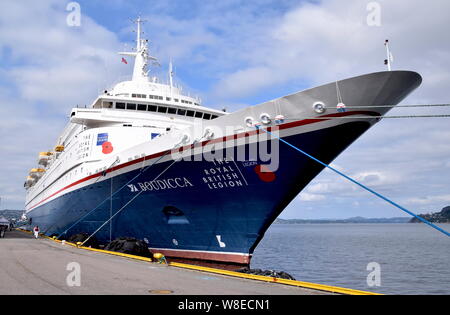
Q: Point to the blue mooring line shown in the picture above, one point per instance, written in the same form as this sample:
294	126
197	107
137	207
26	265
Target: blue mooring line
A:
357	183
112	195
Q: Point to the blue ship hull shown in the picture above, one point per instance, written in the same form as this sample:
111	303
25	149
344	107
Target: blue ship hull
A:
216	211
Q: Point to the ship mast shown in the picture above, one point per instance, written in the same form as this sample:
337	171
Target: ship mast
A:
141	55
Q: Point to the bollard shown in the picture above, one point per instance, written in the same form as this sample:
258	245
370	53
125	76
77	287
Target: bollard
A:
160	259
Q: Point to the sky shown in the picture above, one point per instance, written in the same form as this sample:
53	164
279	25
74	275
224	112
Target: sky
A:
233	54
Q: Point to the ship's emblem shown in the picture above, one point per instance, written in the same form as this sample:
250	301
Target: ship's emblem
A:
102	138
133	188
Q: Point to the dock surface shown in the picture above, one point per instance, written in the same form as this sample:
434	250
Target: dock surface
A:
40	266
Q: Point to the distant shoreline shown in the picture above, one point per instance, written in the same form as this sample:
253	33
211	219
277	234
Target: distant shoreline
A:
345	221
438	217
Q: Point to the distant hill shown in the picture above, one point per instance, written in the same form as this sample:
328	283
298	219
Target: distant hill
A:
438	217
349	220
11	214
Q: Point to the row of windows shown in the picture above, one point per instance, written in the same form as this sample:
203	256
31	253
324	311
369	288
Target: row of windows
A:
158	97
166	110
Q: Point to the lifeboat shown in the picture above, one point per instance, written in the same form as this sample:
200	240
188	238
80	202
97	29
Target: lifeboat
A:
29	181
44	157
36	173
59	148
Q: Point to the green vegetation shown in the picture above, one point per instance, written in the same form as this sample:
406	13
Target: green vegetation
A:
438	217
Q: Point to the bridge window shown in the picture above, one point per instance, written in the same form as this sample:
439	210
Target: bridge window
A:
172	110
131	106
142	107
162	109
152	108
198	115
120	105
207	116
214	117
190	113
181	112
107	104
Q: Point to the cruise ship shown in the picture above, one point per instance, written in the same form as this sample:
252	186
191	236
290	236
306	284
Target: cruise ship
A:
147	161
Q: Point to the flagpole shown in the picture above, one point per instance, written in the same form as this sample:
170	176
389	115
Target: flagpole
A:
171	77
388	52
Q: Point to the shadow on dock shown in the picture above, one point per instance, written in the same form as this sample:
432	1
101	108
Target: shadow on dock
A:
14	234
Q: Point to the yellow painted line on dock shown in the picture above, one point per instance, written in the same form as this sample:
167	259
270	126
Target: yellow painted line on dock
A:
93	249
307	285
103	251
301	284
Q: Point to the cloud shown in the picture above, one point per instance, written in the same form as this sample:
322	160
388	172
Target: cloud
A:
328	40
428	200
49	68
58	65
304	196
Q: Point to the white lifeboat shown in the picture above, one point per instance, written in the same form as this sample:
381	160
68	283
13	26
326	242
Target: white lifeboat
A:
30	181
37	173
58	150
44	158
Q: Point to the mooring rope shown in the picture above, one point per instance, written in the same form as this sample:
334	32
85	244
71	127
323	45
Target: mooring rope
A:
392	106
123	207
356	182
370	117
112	195
103	174
143	170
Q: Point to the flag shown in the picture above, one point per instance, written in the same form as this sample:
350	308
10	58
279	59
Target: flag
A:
124	61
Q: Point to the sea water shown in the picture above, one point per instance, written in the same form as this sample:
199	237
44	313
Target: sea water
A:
408	258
